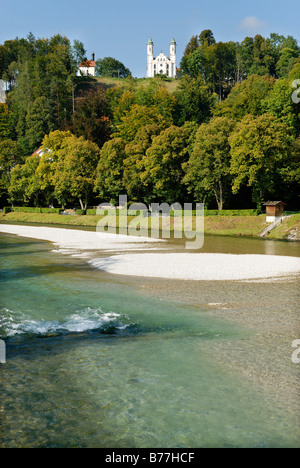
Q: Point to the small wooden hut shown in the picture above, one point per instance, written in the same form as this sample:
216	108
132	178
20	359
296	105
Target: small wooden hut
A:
274	210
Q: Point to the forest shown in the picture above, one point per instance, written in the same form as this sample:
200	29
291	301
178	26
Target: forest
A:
227	135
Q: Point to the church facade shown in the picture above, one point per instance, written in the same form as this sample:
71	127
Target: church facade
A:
161	65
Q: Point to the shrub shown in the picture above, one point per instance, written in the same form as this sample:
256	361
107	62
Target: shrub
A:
219	213
91	212
32	209
80	212
7	209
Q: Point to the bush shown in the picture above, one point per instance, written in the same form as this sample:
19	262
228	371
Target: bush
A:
51	210
7	209
91	212
219	213
31	209
80	212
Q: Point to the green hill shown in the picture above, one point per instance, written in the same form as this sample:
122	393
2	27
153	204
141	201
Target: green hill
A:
90	82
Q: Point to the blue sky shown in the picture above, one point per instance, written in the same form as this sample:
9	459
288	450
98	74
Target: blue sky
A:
121	28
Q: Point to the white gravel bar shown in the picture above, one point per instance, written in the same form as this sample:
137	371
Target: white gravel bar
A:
70	240
184	266
199	266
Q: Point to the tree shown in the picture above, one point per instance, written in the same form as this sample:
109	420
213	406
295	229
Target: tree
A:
220	67
137	117
38	122
79	52
208	170
194	63
246	98
260	149
264	57
133	163
5	122
25	184
162	165
59	67
279	103
121	105
92	117
246	54
75	170
109	173
206	38
111	67
194	101
192	45
10	156
286	61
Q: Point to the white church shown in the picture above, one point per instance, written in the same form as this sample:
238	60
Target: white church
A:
161	65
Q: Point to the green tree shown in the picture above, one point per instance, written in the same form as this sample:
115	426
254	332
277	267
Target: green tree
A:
207	173
109	173
25	185
133	163
78	52
279	103
137	117
264	57
59	67
260	149
194	64
194	101
246	98
92	117
110	67
206	38
192	45
75	170
162	165
38	122
122	105
5	122
286	61
246	54
10	156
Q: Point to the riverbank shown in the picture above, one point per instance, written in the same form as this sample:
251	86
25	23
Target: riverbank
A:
153	258
247	226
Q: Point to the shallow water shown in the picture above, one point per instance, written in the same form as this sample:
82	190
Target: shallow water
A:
95	360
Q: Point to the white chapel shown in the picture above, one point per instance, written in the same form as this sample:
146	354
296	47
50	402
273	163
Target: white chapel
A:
161	65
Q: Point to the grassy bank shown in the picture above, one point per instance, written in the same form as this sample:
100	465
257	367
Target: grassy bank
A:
247	226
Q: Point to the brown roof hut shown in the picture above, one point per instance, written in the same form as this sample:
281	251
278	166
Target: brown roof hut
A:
274	209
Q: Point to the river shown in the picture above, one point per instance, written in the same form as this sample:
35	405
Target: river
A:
101	360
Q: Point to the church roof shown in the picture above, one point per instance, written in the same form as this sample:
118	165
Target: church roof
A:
173	42
150	42
87	64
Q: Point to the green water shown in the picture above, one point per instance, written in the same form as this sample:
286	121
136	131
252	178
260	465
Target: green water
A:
92	361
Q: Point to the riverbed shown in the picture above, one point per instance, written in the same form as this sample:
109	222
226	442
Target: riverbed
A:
102	359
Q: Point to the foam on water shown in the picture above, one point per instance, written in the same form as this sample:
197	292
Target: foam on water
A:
18	323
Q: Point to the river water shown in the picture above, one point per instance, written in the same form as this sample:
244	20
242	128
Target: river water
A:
99	360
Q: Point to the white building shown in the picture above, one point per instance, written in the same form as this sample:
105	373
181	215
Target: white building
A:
87	67
161	65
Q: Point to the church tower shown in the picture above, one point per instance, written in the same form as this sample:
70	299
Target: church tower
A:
161	65
150	57
173	58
